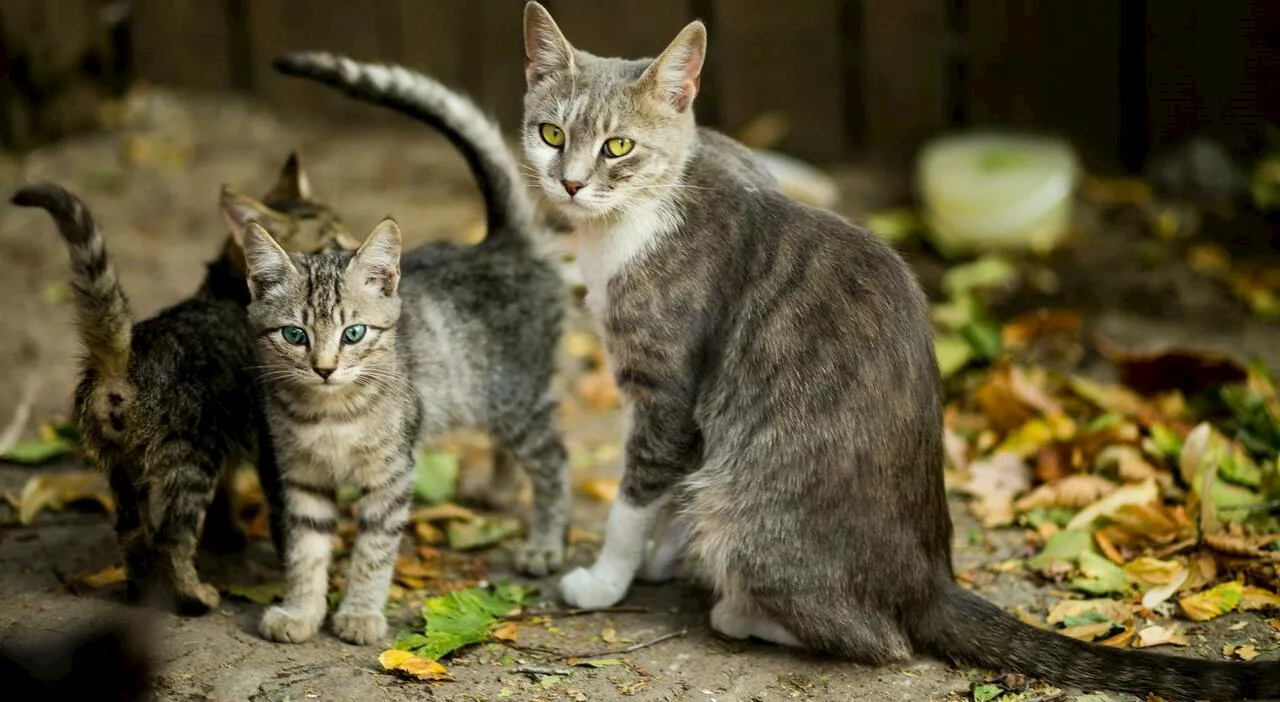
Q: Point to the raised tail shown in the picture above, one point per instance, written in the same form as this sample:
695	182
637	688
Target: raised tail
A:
507	207
964	628
102	310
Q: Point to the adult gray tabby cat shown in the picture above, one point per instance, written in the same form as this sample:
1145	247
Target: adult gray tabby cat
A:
368	354
784	394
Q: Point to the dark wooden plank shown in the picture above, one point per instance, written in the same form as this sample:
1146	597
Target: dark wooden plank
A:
494	57
1211	71
1051	67
625	29
183	42
434	40
771	56
904	75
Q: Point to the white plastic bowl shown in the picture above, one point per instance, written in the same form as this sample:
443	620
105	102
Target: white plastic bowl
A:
989	191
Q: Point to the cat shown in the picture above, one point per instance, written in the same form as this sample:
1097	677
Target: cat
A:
784	395
369	354
164	405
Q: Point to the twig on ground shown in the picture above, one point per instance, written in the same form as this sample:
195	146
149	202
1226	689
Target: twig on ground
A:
576	612
1175	548
530	648
632	648
13	431
534	671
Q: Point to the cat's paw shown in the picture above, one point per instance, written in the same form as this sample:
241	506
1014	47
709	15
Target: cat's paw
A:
539	560
582	587
287	625
360	628
656	570
198	599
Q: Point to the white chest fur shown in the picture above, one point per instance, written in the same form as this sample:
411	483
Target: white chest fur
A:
607	250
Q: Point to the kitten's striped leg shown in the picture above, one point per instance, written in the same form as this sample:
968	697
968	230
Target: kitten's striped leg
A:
310	519
187	490
131	528
536	444
381	515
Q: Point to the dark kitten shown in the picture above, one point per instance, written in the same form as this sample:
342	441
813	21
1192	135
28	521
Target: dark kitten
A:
785	399
167	404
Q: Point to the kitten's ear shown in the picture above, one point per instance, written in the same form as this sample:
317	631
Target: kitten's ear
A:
377	261
268	265
546	51
675	76
292	183
239	210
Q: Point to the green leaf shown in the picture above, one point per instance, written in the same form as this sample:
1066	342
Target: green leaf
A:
984	336
1090	617
38	451
894	226
435	476
600	662
1101	576
1039	516
1166	441
479	533
986	692
989	271
262	593
460	619
954	353
1066	546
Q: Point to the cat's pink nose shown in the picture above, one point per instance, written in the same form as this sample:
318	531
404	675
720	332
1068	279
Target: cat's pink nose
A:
571	186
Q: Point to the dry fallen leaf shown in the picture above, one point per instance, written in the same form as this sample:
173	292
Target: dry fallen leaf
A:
507	632
1114	610
581	345
1245	652
107	576
55	491
608	634
600	489
442	512
1143	493
1088	632
1148	572
412	665
1253	598
597	390
1120	640
1072	492
994	481
1212	603
1159	636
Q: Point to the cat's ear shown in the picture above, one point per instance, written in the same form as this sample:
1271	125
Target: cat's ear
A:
377	261
267	264
239	210
546	51
292	183
675	76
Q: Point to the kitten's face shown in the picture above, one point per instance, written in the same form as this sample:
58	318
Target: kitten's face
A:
605	135
325	320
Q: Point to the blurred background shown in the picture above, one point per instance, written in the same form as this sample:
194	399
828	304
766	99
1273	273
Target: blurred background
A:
1087	190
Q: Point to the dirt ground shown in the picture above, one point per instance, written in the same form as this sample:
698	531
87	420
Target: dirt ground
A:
153	185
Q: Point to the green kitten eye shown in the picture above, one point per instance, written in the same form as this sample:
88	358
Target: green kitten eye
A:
618	146
551	134
294	335
353	334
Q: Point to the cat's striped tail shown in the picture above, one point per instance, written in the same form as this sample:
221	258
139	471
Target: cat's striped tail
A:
102	310
507	207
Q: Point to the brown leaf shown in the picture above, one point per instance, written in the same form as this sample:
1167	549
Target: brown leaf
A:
1187	370
1139	494
1087	632
1114	610
428	534
1245	652
1126	462
1212	603
1160	635
597	390
1108	549
442	512
994	481
54	491
1148	572
507	632
1120	640
608	634
1257	598
1071	492
997	399
1033	326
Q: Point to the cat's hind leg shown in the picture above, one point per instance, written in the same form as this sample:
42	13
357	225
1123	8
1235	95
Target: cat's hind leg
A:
669	546
132	526
185	482
736	617
534	440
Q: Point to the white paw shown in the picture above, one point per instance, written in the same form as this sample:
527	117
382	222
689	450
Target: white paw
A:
287	625
360	628
584	588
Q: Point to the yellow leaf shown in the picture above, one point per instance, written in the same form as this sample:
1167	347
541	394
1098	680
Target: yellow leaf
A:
1143	493
580	345
1159	636
506	632
597	390
1087	632
412	665
1147	572
1120	640
608	634
1245	652
1257	598
107	576
600	489
442	512
1212	603
57	490
428	533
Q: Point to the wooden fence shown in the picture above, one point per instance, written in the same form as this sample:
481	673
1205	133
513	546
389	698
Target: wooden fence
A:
856	78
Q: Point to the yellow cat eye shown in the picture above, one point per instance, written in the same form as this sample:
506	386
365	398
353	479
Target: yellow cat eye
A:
551	134
618	146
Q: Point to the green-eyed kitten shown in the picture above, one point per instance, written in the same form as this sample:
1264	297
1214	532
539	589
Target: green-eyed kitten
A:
165	405
368	355
786	406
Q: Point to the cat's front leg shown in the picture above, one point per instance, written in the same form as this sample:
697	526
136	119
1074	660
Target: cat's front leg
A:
311	520
662	449
381	515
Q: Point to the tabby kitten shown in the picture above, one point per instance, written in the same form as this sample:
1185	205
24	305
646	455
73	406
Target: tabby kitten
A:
165	404
785	399
367	355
